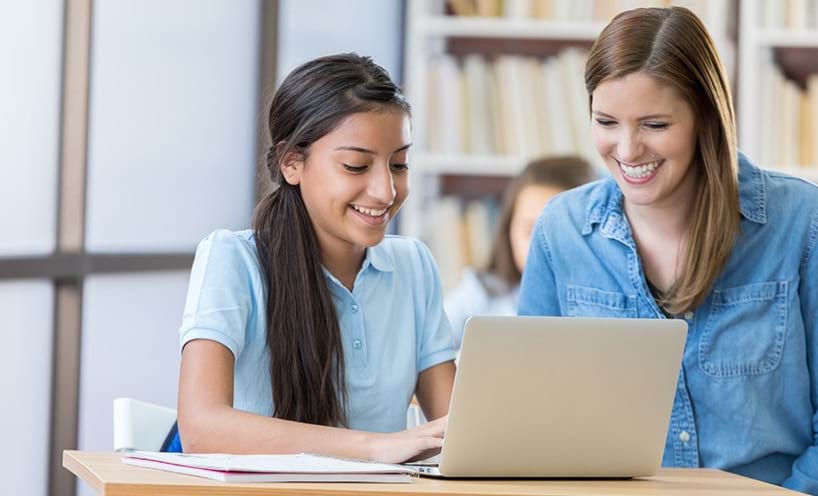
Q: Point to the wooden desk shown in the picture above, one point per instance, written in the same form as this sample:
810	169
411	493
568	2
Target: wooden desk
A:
110	477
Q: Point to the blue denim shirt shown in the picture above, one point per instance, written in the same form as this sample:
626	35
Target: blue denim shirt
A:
747	392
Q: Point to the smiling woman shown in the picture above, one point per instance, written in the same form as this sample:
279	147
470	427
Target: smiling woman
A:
646	133
687	227
312	331
638	143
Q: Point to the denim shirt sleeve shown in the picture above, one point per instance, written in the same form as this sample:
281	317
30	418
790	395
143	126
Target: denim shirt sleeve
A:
804	475
538	289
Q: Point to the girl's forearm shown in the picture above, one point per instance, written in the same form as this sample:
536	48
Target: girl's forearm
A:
227	430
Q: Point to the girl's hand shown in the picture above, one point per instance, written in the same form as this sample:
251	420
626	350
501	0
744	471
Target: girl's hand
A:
412	444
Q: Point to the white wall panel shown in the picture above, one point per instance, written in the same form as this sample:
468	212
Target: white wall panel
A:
130	348
26	327
173	115
31	58
372	27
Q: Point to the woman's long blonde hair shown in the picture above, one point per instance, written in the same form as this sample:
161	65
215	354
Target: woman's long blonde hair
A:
673	46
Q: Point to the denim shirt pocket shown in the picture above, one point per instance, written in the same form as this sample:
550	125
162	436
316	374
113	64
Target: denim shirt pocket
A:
584	301
744	333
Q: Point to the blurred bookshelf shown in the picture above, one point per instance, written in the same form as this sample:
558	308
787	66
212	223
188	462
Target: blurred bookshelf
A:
778	91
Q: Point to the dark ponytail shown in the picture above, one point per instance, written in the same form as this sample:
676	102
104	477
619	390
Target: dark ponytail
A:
303	333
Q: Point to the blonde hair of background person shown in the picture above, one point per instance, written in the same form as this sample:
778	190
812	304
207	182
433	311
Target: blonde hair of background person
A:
312	331
493	290
689	228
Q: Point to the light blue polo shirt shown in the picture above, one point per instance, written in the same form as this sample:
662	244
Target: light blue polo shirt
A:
392	324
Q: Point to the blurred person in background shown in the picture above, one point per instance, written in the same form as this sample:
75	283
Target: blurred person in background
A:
494	290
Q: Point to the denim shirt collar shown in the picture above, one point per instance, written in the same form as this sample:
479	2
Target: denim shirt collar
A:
752	190
605	205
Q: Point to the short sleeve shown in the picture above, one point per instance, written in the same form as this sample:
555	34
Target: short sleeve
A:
435	340
220	294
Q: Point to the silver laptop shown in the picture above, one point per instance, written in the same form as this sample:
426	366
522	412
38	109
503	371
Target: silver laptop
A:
561	397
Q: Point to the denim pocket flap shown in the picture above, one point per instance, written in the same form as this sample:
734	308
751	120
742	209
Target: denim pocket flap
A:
584	301
751	292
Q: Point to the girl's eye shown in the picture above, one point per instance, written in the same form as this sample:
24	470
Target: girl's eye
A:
400	167
656	125
357	169
605	122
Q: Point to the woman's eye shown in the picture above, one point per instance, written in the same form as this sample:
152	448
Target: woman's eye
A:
400	167
357	169
656	125
605	122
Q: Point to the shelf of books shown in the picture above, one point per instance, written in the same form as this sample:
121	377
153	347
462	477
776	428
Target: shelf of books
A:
495	83
497	27
778	90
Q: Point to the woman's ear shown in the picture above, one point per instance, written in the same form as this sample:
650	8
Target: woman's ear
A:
292	166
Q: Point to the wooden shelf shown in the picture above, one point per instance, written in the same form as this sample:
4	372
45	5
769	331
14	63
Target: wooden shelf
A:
797	62
471	187
802	38
496	27
481	165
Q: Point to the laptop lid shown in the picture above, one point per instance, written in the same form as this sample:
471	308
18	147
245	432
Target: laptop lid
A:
562	397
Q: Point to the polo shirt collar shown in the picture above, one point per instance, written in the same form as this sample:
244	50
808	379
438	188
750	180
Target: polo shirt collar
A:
379	258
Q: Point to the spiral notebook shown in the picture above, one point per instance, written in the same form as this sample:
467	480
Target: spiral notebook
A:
271	468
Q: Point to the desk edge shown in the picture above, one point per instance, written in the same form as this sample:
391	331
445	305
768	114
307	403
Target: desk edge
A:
81	472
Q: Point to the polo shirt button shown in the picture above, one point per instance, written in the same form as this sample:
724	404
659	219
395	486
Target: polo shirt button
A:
684	437
354	308
689	315
356	344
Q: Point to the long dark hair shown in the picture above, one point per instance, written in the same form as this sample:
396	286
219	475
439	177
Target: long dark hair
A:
563	172
673	46
303	334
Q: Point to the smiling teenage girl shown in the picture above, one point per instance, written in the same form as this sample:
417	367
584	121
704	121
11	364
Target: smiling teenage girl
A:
689	228
312	331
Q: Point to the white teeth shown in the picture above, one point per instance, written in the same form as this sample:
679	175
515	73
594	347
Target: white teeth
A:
638	171
369	211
